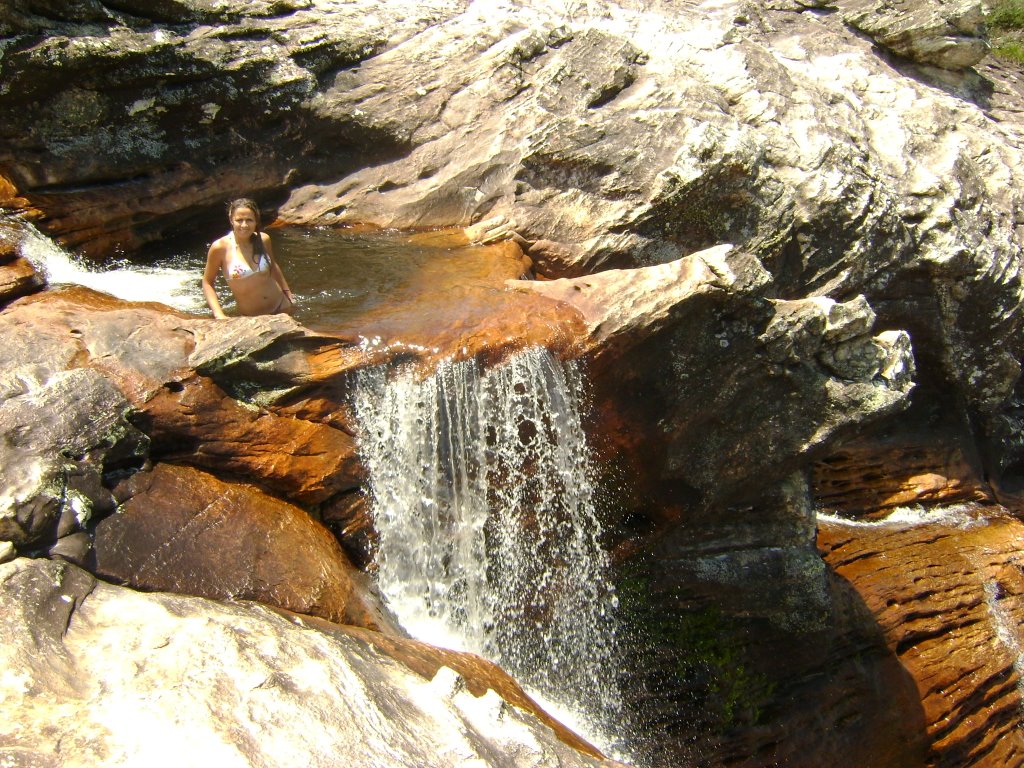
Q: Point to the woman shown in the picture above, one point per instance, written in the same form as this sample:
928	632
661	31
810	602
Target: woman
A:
246	257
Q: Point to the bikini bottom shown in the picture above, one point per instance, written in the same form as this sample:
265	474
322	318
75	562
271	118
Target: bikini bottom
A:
285	302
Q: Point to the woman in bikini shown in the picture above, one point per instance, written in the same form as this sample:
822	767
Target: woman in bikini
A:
246	258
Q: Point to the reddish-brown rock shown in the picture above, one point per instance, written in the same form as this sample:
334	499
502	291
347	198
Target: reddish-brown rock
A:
948	596
195	422
18	278
183	530
869	478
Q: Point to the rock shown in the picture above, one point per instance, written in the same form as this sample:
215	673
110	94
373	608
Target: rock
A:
182	530
18	278
477	675
743	643
792	378
194	421
950	614
350	520
870	477
874	200
781	132
627	306
200	679
75	548
940	33
271	53
148	353
7	552
63	432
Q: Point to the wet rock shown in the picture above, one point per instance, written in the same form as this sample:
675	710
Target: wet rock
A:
63	432
182	530
18	278
949	612
200	678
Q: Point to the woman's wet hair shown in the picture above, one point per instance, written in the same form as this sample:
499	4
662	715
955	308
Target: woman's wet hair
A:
245	202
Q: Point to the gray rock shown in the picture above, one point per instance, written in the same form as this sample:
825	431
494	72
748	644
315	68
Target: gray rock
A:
941	33
61	435
75	548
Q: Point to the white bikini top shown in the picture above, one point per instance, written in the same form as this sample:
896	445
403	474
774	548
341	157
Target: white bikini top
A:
238	267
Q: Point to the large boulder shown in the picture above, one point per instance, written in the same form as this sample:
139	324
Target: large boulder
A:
234	682
940	33
181	530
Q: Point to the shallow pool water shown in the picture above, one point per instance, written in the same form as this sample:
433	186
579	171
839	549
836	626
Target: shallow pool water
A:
342	278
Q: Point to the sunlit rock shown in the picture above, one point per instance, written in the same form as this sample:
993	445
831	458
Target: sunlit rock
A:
181	530
195	422
119	673
942	33
625	306
950	614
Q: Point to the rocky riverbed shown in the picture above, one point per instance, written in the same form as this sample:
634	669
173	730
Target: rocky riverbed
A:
782	239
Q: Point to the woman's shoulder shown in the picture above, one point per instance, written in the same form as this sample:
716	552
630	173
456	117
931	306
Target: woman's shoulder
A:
220	244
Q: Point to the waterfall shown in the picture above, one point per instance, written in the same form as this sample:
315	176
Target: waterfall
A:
482	494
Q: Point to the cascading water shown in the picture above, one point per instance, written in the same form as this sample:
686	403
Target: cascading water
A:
176	286
488	539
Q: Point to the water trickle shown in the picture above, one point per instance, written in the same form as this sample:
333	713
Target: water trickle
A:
488	539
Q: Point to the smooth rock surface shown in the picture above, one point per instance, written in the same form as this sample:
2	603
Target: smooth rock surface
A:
103	676
181	530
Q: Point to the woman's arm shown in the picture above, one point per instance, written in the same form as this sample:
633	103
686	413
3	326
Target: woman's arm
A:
214	260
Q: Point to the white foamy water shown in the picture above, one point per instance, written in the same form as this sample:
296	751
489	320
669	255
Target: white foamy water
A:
959	515
489	542
1007	631
176	287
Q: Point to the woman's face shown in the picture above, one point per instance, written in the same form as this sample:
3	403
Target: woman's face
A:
243	222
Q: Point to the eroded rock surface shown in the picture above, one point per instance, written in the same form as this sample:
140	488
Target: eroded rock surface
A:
946	594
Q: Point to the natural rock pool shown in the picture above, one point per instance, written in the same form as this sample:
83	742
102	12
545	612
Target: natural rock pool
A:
343	279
